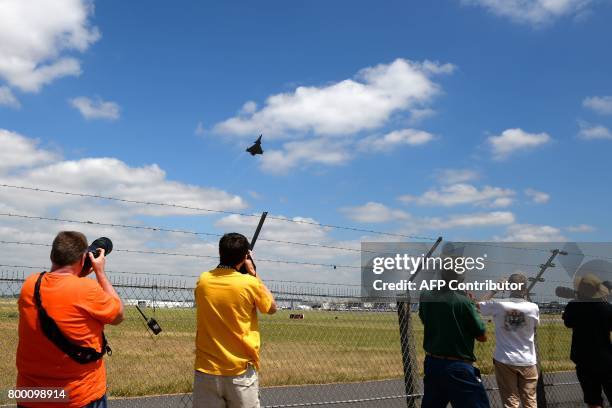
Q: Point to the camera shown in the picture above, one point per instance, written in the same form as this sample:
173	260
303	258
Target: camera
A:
100	243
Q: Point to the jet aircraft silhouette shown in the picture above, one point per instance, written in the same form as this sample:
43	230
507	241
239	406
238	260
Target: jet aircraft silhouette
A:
256	148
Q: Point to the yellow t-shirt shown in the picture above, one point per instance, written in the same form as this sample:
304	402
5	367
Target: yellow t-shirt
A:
227	337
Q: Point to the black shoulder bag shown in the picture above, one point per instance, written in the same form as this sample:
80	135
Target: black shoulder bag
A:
80	354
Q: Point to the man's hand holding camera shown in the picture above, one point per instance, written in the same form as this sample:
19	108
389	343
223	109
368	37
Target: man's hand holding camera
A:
98	262
249	264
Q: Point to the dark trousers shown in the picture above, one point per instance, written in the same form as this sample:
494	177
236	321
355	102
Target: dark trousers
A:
100	403
457	382
593	381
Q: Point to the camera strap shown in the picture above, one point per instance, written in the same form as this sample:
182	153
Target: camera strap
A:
80	354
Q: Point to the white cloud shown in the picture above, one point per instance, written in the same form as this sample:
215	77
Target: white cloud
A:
303	229
324	125
297	229
593	132
35	37
475	220
8	99
96	108
580	228
363	103
22	162
248	108
319	151
538	197
331	151
395	139
463	194
199	130
116	178
600	104
514	140
453	176
420	114
373	212
33	166
19	151
532	233
534	12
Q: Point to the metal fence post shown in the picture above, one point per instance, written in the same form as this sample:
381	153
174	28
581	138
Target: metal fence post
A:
408	355
409	359
541	388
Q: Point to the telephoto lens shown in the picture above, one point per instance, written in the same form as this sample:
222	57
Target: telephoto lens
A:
100	243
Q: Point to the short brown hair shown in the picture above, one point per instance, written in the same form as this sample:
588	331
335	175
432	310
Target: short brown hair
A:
68	247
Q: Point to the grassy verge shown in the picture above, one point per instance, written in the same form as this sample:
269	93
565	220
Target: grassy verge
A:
325	347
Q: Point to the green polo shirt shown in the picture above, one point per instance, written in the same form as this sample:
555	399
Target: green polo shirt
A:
451	324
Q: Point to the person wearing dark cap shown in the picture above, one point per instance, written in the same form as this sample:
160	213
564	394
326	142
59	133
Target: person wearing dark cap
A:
590	318
451	324
515	320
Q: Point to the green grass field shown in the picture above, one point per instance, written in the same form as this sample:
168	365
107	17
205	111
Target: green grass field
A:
325	347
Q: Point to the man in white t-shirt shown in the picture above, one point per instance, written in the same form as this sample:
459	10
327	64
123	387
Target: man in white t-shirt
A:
515	356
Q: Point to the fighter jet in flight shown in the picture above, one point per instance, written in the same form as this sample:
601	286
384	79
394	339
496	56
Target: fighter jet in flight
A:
256	148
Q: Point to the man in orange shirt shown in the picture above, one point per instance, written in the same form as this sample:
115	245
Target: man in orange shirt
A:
80	308
227	338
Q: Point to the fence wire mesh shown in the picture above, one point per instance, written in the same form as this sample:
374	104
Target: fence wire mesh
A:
336	350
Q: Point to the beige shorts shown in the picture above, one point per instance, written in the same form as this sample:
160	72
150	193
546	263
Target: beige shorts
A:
217	391
517	385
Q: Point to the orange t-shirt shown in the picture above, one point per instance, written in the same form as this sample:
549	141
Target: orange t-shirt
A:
80	308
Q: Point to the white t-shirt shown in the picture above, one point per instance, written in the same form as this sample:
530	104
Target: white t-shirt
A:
515	323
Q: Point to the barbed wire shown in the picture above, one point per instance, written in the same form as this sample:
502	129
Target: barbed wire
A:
142	251
517	248
165	229
175	275
111	271
202	209
139	251
284	219
42	268
262	260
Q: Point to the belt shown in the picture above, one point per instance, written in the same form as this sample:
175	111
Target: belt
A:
449	358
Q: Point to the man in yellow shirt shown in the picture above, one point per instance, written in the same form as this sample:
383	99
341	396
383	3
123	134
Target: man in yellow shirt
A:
227	338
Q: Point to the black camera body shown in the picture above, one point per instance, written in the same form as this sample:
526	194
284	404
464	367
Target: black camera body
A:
100	243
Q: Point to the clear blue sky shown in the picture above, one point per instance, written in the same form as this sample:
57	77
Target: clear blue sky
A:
170	68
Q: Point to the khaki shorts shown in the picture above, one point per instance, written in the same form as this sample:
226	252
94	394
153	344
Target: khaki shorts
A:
517	385
217	391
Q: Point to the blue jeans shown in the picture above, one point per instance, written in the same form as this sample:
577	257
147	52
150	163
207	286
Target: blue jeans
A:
101	403
452	381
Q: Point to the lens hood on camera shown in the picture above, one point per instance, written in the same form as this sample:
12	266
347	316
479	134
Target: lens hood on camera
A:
100	243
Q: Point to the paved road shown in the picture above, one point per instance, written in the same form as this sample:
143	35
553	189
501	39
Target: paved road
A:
562	392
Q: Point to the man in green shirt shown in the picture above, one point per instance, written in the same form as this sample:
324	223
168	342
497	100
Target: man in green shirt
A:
451	325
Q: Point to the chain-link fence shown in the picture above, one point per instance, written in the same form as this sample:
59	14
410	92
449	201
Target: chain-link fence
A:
326	347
